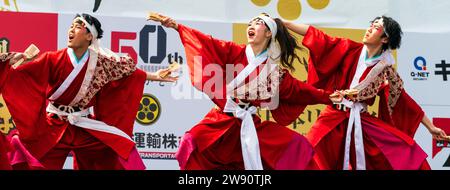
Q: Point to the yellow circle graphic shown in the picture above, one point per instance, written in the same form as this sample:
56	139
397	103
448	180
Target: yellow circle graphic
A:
318	4
149	110
261	2
289	9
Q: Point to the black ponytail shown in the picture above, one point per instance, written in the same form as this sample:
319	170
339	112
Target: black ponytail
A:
288	45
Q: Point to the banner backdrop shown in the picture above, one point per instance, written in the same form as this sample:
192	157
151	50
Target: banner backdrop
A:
17	32
415	15
168	110
424	65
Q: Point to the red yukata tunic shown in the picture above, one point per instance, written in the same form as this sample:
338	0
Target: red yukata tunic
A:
388	138
214	143
114	92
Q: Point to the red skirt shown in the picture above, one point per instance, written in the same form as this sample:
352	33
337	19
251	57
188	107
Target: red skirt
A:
385	147
214	143
89	152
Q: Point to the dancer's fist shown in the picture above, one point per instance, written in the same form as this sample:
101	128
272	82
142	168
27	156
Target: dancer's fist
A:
165	20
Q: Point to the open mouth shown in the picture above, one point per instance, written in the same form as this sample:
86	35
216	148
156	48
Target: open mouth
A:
251	33
71	37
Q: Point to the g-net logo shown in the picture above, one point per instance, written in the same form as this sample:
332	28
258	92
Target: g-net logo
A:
420	65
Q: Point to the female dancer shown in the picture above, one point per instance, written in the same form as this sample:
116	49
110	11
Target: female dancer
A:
231	136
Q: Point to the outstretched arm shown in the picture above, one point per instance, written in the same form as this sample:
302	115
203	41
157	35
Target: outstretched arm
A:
436	132
297	28
204	53
156	76
165	20
294	91
169	23
12	58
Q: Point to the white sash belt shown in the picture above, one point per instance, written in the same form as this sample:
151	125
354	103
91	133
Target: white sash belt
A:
355	118
356	108
79	119
249	138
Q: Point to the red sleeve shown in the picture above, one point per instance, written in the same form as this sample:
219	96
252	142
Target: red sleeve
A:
205	57
294	97
406	114
202	50
294	91
25	95
116	105
212	50
326	53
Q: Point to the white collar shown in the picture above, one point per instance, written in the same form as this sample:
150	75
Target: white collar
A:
74	59
386	56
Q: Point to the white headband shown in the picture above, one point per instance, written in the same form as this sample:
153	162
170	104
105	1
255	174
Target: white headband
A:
384	28
270	23
95	45
91	28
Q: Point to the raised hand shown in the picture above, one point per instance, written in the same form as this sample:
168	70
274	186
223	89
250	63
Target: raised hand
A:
438	134
351	94
162	75
29	54
165	20
337	96
17	57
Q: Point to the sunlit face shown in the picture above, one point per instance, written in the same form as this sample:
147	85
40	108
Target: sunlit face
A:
79	37
257	32
374	34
